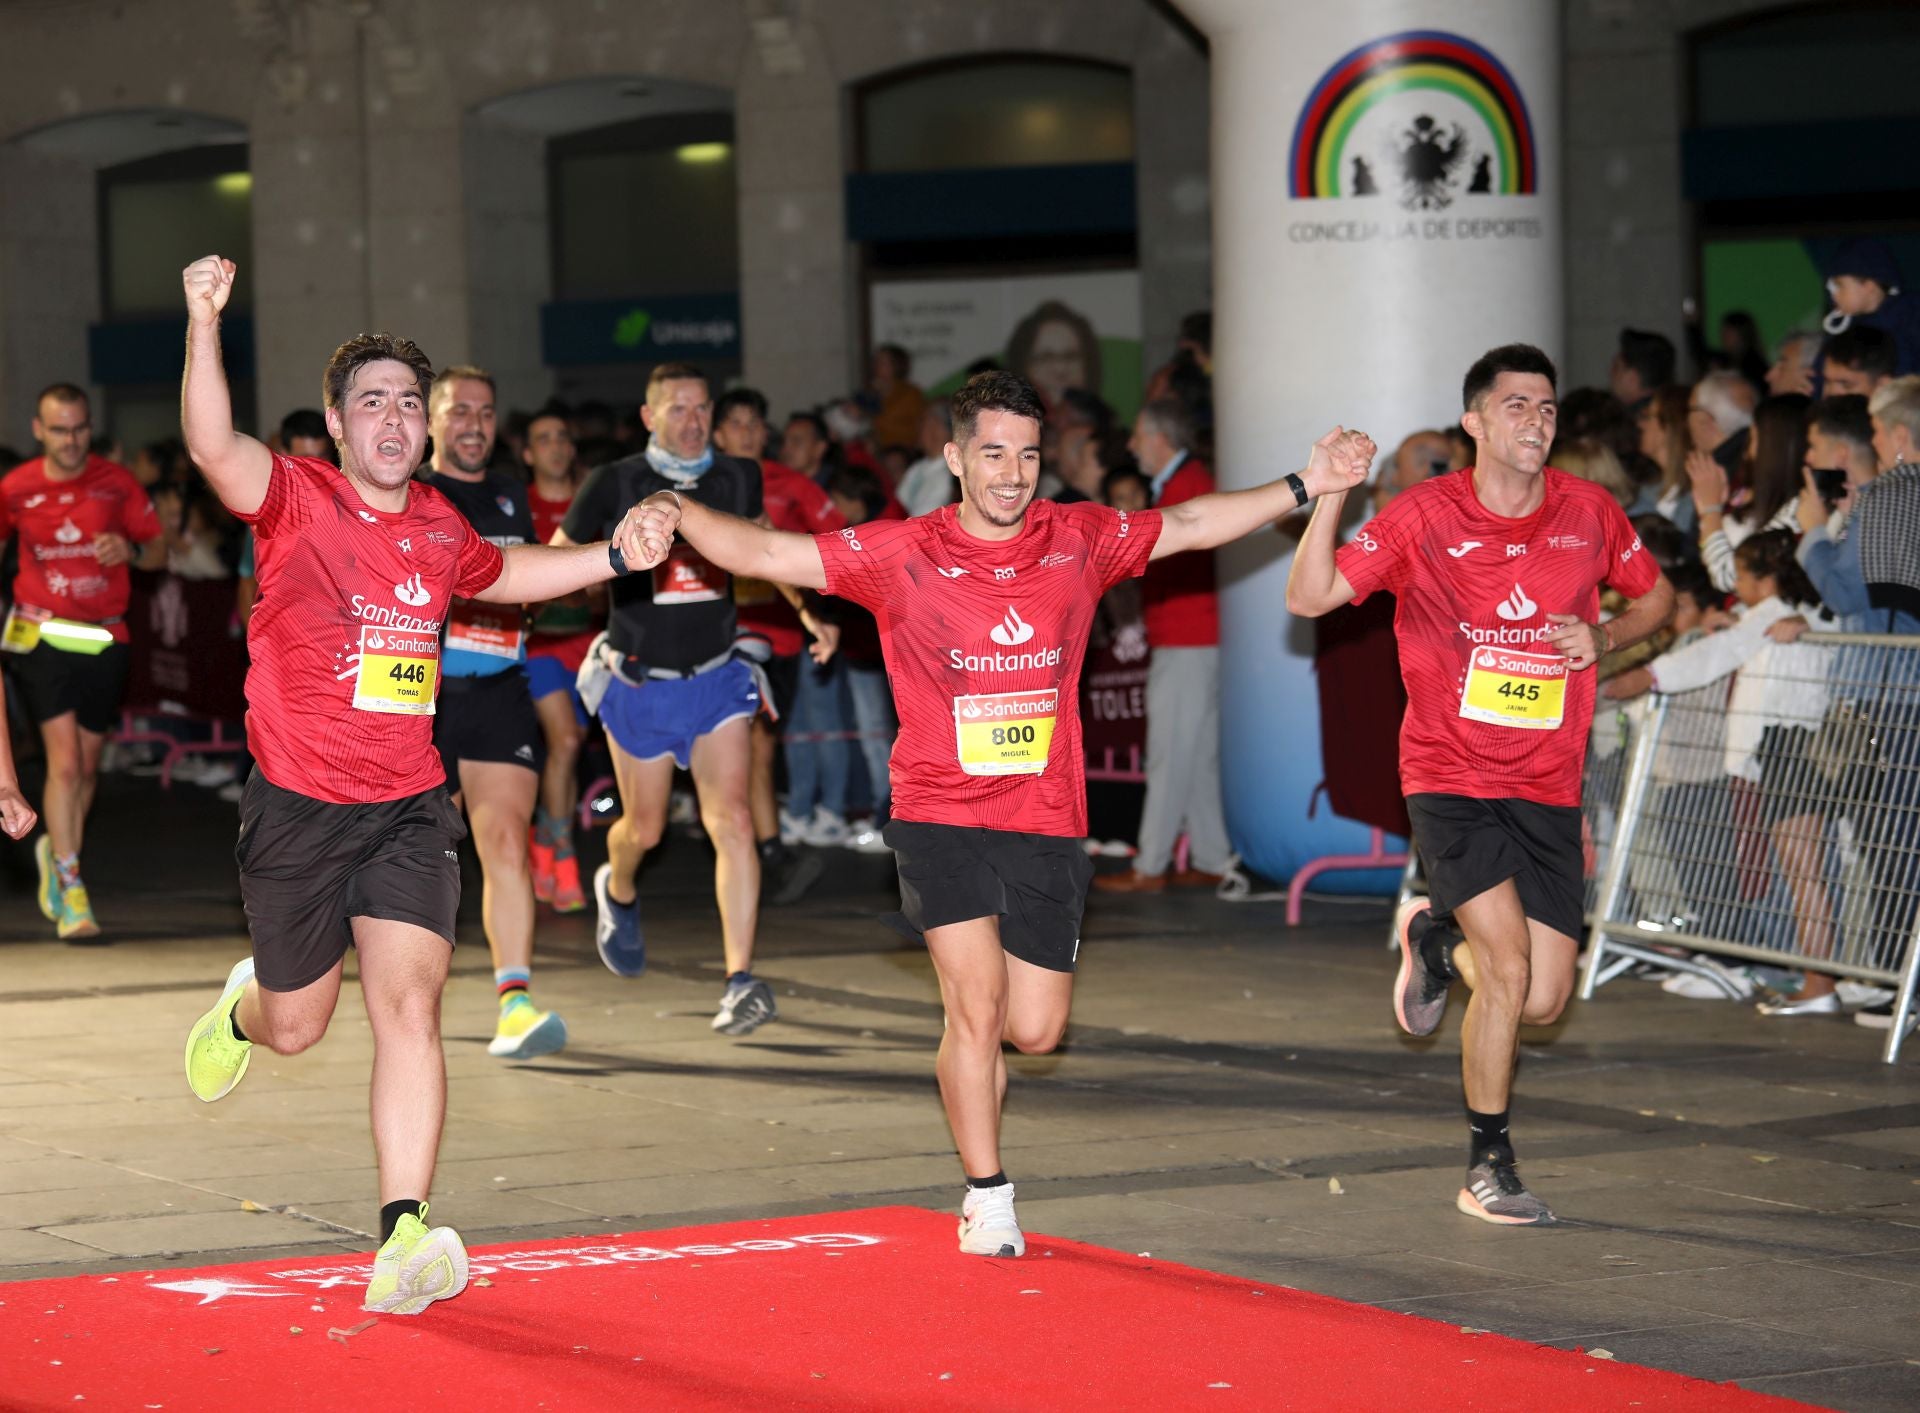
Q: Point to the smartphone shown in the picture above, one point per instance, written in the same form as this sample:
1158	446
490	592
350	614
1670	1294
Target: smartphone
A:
1831	483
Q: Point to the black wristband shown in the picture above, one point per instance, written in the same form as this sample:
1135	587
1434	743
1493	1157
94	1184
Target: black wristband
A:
1298	487
617	560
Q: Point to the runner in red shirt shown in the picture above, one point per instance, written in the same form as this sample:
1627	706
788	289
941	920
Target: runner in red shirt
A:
79	518
984	610
1497	572
347	834
782	615
562	633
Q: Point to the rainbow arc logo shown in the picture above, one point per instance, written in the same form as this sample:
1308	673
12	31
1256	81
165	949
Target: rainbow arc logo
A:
1414	61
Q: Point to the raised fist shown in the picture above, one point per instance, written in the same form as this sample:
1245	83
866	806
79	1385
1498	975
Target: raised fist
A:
209	284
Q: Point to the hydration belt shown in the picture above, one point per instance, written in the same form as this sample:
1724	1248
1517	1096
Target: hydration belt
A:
604	663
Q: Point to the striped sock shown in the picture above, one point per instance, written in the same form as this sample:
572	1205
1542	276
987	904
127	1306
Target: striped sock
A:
66	868
512	984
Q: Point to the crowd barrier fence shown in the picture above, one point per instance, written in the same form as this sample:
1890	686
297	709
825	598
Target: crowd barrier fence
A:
1784	833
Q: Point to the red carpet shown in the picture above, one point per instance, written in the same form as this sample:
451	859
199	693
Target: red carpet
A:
873	1309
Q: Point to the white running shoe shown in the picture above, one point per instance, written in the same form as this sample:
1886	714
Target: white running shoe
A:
987	1224
1854	994
826	830
1697	988
792	830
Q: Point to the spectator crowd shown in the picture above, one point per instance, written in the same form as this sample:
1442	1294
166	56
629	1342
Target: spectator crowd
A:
1780	494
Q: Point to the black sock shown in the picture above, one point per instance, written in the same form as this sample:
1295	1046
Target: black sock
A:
233	1024
1489	1138
739	978
999	1179
392	1212
1435	941
772	851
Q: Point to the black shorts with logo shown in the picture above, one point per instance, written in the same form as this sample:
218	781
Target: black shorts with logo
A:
1469	845
54	682
488	718
1036	884
309	867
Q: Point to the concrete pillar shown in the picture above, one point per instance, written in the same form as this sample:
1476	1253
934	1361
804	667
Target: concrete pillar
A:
796	311
1170	176
49	282
509	265
1386	207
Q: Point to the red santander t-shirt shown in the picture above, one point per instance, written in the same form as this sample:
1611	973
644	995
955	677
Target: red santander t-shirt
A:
1178	598
57	522
1491	710
983	641
345	636
794	503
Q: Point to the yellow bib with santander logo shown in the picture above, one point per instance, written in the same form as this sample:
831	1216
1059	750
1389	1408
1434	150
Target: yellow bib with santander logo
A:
1006	733
1509	688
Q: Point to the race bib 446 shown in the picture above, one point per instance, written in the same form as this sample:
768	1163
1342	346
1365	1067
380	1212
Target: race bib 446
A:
398	671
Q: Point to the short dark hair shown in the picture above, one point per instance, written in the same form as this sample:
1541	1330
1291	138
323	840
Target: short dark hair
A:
303	422
1844	417
62	392
1861	346
1127	471
751	398
1690	578
902	360
362	349
1085	408
1197	329
552	412
674	373
1651	356
1508	358
468	373
1770	554
993	392
813	420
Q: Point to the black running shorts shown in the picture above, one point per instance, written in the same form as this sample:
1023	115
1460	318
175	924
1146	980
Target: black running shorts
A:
309	867
1469	845
488	718
1036	884
53	682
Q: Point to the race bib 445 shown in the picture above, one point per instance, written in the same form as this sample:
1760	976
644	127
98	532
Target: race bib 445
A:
1508	688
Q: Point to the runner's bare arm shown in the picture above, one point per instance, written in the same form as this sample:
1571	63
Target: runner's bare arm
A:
235	465
737	546
1586	643
536	573
1339	462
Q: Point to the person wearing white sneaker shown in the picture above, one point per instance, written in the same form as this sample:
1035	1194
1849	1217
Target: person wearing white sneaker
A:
984	610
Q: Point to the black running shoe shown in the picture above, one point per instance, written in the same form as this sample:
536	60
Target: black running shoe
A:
746	1006
1419	997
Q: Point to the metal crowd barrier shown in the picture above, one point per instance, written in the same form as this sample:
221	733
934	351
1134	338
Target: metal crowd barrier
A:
1785	832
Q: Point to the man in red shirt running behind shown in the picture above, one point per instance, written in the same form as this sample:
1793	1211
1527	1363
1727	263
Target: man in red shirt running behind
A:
984	609
347	834
1497	570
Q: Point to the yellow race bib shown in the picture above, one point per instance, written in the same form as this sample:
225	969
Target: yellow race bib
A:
398	671
1007	733
1509	688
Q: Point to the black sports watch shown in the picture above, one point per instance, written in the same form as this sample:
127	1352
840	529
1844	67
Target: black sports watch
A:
1298	487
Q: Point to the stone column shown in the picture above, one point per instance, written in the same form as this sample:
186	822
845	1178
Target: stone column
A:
49	282
1386	207
795	298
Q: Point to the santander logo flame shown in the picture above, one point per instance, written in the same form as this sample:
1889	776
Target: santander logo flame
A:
68	533
1011	631
413	593
1517	607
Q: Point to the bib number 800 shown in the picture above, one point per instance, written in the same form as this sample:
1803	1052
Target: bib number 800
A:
415	672
1013	736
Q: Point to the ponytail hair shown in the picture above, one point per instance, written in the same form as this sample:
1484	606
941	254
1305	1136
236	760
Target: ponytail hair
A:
1769	555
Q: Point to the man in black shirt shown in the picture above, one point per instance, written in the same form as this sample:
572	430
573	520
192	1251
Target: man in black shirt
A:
676	693
485	727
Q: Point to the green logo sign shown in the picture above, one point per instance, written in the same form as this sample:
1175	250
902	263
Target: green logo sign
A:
631	328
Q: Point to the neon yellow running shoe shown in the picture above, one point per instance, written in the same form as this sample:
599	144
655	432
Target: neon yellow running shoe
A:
216	1058
415	1267
526	1032
76	922
49	891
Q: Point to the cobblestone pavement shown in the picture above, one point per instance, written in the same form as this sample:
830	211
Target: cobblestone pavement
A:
1742	1196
